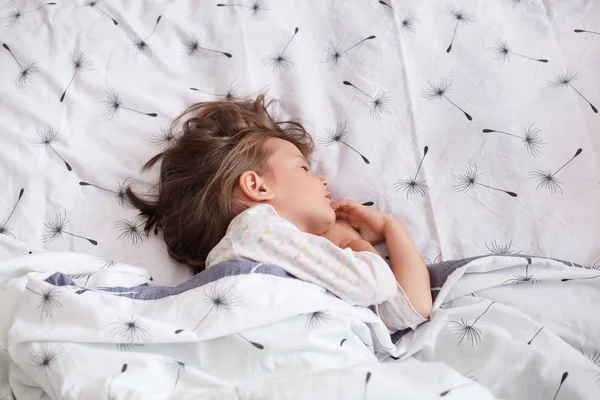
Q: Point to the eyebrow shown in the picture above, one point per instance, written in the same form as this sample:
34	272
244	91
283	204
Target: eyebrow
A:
302	157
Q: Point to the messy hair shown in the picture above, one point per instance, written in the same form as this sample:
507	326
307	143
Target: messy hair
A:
218	141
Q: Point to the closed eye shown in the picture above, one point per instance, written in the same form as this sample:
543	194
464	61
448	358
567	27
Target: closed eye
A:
305	168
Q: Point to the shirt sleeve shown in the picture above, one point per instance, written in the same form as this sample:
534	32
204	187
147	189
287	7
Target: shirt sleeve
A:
398	313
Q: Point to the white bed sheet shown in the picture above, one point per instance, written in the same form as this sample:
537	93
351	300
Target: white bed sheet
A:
499	88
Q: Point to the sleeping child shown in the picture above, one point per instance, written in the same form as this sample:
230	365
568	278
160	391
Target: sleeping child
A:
237	184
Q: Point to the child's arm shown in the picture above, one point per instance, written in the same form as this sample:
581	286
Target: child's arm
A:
407	266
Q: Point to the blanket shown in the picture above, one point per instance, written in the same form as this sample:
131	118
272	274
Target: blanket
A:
510	327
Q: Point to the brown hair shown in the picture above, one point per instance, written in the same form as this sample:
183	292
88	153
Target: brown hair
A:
201	168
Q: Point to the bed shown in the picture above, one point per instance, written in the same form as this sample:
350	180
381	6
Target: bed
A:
475	123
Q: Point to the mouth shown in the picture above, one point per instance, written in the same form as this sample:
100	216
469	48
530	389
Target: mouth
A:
328	195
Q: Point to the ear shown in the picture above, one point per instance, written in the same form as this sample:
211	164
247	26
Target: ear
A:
255	187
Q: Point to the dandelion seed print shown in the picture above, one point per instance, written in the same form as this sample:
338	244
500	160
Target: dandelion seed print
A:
534	336
316	319
131	330
522	278
407	22
461	17
48	301
446	392
548	179
343	341
413	185
530	138
566	80
439	90
501	249
177	366
57	228
281	61
94	4
44	360
584	31
334	54
257	8
367	379
192	48
257	345
378	102
467	330
120	193
141	45
503	53
79	64
132	230
337	136
220	298
517	3
230	92
45	138
594	358
164	138
16	16
595	266
26	70
114	104
579	279
368	203
5	229
470	179
110	395
562	380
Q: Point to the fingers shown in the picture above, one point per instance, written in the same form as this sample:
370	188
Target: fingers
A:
344	204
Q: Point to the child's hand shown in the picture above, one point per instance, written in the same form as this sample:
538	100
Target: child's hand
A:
341	233
368	221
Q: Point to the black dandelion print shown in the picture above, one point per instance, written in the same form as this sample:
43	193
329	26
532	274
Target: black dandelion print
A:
461	17
534	336
503	53
220	299
562	380
141	45
281	60
5	229
256	345
131	230
79	64
530	138
467	330
439	90
120	193
470	179
594	358
57	228
110	395
584	31
446	392
343	341
230	92
501	249
26	70
45	139
257	8
131	330
48	302
337	136
178	366
114	104
407	23
334	54
368	203
523	278
16	16
164	138
94	4
45	360
566	80
316	319
378	102
367	379
413	185
548	179
516	3
579	279
192	48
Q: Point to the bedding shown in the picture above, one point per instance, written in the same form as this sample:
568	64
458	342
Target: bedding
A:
502	327
474	122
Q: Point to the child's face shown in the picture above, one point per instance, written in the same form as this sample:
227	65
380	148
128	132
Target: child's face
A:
299	196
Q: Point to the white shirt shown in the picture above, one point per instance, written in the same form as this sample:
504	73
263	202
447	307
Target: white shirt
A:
359	278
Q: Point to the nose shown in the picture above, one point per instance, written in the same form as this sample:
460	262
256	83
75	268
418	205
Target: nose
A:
325	181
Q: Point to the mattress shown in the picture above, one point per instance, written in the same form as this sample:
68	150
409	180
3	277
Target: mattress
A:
475	123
